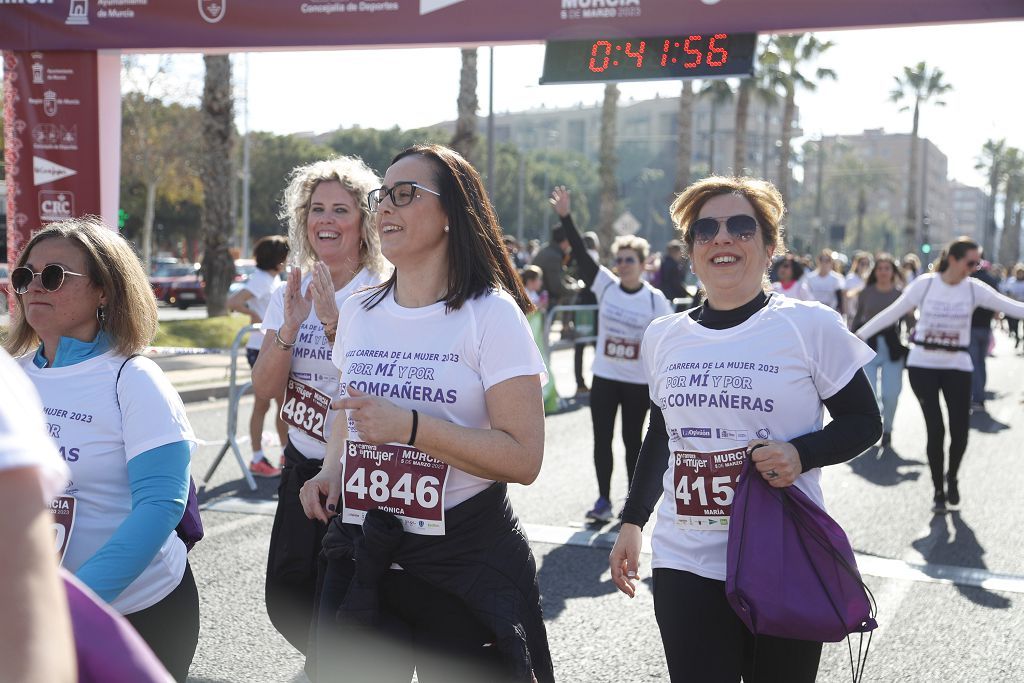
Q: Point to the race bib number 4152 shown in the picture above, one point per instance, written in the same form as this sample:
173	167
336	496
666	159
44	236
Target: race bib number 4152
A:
401	480
704	486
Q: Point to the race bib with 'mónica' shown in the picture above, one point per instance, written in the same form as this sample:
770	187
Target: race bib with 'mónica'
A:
305	408
705	484
401	480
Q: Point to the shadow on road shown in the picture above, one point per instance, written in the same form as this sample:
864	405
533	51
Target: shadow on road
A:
266	489
882	465
572	572
983	422
951	541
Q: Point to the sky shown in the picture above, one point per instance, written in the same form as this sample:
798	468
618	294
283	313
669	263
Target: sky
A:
319	91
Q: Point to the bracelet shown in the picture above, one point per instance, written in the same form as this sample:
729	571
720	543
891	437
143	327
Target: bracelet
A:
281	343
415	424
330	331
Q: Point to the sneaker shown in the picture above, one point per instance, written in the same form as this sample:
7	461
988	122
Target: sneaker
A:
953	491
602	510
262	468
939	502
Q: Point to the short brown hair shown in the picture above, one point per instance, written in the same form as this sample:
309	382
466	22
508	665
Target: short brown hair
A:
638	244
762	195
114	267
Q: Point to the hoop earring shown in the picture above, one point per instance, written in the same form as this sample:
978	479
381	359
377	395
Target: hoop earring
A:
101	315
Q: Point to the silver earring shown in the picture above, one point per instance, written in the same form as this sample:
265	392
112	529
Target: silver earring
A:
446	228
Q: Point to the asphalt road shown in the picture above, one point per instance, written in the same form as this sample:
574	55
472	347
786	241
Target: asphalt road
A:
949	588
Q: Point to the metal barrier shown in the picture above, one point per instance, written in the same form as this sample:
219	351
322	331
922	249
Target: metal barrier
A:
235	394
679	304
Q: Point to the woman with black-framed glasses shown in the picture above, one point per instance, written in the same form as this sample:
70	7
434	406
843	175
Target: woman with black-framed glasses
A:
85	310
939	359
627	304
425	564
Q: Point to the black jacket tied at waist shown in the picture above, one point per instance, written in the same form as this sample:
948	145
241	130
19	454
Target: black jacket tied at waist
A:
891	335
484	559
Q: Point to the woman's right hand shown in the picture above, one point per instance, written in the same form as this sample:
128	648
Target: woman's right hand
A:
296	305
319	497
560	200
624	559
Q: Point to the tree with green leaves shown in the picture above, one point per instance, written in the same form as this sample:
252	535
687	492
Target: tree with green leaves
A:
217	173
1013	194
609	198
789	55
917	86
465	138
271	159
991	161
718	92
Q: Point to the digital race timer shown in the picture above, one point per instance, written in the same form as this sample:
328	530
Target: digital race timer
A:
705	55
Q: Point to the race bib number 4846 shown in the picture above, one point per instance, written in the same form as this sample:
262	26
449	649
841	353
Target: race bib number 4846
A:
704	487
401	480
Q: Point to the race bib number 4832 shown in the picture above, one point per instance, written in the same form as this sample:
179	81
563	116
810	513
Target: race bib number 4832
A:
401	480
305	408
704	486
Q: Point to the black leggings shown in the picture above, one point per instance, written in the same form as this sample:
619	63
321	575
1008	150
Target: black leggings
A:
171	626
606	395
419	627
705	642
956	390
294	548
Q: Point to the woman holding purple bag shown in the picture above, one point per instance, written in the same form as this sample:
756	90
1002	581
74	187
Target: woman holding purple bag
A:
746	369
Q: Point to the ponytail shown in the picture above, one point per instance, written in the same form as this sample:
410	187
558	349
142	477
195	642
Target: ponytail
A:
958	248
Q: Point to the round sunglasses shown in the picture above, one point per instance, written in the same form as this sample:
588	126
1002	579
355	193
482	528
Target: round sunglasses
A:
741	226
51	277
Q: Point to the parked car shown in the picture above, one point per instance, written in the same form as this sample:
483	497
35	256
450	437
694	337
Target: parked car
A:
186	291
166	273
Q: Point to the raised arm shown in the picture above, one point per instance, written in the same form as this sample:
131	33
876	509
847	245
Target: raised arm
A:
588	268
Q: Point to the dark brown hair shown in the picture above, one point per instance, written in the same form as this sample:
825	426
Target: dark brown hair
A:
897	274
958	248
477	258
270	251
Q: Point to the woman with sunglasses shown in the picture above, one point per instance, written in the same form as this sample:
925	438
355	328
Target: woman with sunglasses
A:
746	369
85	311
939	360
426	564
626	306
885	371
330	231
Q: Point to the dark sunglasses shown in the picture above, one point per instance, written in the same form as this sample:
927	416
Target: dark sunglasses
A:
401	193
973	264
51	277
741	226
619	260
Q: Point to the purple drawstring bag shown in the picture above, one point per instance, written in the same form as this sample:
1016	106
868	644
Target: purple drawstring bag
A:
107	648
790	571
190	528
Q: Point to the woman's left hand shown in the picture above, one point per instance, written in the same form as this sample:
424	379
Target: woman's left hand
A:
322	287
377	420
777	461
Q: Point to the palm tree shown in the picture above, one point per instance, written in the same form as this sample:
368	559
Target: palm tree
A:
991	161
719	92
919	85
684	137
607	162
788	55
465	138
216	173
1013	168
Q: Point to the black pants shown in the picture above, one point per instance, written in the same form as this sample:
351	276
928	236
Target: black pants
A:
421	627
294	547
705	642
171	626
606	395
955	386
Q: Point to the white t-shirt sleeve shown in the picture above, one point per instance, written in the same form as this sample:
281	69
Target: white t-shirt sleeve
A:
152	413
24	441
506	347
274	317
602	281
907	301
834	353
649	351
662	306
986	297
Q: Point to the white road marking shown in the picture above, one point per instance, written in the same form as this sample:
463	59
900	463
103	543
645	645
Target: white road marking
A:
912	568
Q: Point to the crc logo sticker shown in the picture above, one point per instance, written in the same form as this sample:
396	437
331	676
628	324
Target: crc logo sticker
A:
56	205
212	11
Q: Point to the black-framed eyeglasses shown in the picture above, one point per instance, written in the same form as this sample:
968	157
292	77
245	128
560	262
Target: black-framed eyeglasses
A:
51	277
741	226
619	260
401	193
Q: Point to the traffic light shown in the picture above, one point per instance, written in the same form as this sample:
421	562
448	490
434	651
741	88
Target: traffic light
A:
122	218
926	248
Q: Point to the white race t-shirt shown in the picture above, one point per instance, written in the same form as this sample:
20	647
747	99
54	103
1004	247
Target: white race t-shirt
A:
262	286
797	290
97	440
622	319
823	288
719	389
439	363
944	319
23	435
312	367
